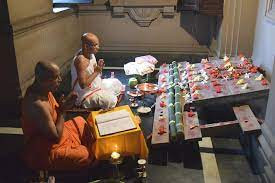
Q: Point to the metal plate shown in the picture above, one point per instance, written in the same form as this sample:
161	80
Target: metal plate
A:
147	87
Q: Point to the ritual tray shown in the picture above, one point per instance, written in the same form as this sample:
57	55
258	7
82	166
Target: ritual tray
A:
147	87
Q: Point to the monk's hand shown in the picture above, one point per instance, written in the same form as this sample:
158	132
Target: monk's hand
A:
61	99
101	63
68	102
97	69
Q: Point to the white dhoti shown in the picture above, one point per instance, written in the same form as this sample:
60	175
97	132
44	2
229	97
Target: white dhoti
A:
101	99
106	97
101	93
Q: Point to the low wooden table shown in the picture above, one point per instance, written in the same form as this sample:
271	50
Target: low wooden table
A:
127	143
230	93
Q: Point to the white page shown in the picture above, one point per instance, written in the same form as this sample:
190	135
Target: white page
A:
102	118
115	126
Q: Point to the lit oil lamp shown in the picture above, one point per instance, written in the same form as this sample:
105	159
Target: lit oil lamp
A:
115	155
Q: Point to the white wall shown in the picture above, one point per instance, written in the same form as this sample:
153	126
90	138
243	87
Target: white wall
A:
264	44
237	29
264	56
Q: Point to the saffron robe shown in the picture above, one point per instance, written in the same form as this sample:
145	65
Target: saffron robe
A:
74	151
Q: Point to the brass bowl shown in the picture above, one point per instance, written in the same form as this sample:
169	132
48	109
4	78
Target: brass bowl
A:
147	87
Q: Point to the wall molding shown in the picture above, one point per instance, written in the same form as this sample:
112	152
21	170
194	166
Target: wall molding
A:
143	16
154	48
39	21
143	12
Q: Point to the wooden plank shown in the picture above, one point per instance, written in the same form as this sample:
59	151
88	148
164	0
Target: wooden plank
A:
221	129
160	132
247	120
191	125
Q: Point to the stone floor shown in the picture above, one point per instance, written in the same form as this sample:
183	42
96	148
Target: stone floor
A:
217	160
229	167
222	161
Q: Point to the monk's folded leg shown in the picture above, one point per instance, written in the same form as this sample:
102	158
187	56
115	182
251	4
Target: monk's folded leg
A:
101	99
70	158
80	131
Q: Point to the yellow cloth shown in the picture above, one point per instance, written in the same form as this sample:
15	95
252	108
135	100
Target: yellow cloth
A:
129	142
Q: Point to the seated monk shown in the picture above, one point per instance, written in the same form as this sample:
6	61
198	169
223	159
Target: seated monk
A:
93	92
50	142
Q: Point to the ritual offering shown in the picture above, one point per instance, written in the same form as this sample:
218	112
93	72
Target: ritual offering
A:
230	69
143	110
147	87
247	75
228	65
264	82
134	105
134	93
132	82
259	78
162	104
245	86
142	65
225	58
240	82
194	84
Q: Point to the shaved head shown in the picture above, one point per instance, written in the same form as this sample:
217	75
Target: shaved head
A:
45	70
90	44
89	37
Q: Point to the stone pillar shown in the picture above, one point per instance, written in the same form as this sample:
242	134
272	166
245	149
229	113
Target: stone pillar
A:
10	87
30	33
267	139
237	29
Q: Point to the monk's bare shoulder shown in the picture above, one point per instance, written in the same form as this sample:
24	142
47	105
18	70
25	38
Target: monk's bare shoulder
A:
34	109
81	63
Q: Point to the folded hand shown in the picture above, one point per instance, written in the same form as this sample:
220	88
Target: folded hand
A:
97	69
68	102
101	63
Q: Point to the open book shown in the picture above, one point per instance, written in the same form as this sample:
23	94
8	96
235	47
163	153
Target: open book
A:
114	122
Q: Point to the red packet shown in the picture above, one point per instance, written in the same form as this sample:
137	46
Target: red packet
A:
253	69
215	83
165	71
236	76
264	82
163	79
218	89
162	104
195	96
246	62
161	130
190	114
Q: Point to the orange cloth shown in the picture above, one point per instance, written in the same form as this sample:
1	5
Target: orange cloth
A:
74	150
129	142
